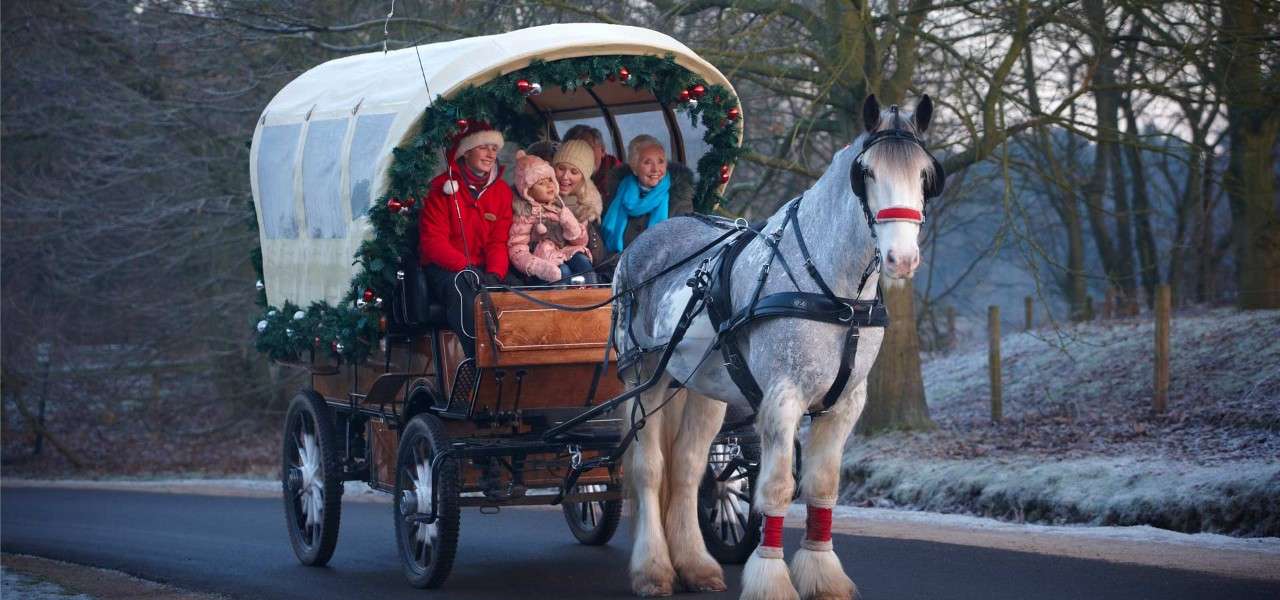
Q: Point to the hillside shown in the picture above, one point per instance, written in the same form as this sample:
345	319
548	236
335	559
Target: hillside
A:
1078	443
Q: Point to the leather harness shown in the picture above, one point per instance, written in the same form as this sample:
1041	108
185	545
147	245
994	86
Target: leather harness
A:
827	307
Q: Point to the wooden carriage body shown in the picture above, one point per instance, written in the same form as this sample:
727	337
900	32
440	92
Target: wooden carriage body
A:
322	154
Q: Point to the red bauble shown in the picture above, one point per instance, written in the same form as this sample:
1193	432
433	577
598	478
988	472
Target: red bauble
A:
523	86
368	294
624	74
684	95
462	124
724	169
733	114
724	177
394	205
698	91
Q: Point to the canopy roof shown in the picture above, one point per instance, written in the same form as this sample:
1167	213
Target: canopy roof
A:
322	147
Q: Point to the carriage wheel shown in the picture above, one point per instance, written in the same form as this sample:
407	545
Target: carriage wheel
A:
730	528
426	549
312	481
593	523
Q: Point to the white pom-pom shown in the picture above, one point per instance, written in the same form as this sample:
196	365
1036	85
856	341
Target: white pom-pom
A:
542	229
450	187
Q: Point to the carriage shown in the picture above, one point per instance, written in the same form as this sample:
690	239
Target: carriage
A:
338	159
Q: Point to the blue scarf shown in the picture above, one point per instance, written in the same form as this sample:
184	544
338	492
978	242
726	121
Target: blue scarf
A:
627	202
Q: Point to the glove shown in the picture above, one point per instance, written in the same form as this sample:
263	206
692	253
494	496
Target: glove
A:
487	278
545	271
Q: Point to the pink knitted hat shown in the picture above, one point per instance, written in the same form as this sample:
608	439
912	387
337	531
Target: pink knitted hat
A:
530	170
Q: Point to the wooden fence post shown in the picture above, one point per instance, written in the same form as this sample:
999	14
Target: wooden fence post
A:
1161	398
993	362
1030	312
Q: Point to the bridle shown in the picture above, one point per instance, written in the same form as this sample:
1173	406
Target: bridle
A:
858	173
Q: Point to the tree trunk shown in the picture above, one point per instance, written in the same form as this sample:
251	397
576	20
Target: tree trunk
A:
1253	122
1149	271
895	389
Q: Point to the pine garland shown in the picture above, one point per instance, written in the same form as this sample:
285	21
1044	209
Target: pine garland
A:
350	330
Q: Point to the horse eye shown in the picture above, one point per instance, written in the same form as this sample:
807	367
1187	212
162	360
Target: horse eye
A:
869	174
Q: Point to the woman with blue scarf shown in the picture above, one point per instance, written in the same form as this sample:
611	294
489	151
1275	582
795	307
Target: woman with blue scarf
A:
644	192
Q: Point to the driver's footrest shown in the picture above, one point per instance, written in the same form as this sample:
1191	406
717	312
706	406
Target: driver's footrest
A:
464	383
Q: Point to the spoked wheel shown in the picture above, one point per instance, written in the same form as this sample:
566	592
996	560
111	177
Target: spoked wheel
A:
312	480
426	549
730	528
593	523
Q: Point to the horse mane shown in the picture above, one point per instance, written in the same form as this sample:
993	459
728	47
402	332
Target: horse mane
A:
894	159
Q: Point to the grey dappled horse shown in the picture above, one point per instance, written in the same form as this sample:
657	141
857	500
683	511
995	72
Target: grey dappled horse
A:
793	360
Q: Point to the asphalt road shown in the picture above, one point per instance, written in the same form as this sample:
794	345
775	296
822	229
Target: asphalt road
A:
238	546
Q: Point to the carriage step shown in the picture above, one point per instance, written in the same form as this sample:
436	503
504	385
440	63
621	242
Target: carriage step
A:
464	384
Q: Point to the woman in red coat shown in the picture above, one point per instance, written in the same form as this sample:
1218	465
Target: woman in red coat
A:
463	227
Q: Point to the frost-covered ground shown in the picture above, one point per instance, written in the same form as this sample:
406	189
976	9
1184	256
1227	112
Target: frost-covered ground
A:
1078	443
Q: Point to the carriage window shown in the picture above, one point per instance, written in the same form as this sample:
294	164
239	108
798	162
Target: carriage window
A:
277	150
592	118
366	145
692	133
643	118
322	179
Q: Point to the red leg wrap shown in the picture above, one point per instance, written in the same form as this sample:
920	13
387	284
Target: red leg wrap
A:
772	532
818	524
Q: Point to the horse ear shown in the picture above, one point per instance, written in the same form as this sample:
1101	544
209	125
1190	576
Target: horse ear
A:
923	113
870	113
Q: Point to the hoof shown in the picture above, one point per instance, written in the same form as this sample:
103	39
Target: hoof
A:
766	579
818	575
653	581
704	575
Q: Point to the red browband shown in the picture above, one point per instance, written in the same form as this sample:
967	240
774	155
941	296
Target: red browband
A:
899	213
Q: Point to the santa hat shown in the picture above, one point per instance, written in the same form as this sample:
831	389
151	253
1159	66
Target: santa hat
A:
476	134
530	170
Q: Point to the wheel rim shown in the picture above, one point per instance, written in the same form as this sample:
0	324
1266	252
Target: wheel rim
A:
422	537
307	477
729	501
589	514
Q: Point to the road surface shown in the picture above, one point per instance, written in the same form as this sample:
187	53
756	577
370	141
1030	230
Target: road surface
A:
239	547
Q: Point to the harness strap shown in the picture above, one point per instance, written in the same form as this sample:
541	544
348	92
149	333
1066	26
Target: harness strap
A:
808	258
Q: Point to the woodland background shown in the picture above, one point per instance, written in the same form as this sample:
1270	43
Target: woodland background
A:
1091	146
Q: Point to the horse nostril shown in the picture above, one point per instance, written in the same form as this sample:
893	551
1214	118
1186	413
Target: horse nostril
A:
890	258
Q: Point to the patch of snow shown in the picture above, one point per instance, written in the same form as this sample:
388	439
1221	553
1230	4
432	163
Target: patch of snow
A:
19	585
1241	500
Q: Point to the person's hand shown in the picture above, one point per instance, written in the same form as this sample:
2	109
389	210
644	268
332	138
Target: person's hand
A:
487	278
546	271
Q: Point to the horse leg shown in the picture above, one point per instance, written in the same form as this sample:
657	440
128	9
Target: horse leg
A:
651	570
687	463
765	575
815	568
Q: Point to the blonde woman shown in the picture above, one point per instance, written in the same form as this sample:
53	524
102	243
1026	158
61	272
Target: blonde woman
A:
575	163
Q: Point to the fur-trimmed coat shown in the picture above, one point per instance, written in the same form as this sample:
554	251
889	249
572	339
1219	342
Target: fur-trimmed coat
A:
680	195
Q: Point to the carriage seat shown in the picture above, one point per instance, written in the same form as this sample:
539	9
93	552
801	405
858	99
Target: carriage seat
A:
413	309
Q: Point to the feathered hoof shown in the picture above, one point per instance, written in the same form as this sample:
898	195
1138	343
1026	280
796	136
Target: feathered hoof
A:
818	575
701	574
653	580
766	579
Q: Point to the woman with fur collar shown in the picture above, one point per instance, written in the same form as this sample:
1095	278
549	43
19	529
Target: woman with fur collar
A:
644	192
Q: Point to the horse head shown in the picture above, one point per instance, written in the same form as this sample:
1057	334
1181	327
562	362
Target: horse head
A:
893	176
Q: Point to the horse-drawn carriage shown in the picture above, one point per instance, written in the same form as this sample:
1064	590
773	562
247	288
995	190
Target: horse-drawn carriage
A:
339	159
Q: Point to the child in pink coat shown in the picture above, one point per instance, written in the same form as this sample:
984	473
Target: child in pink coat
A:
546	243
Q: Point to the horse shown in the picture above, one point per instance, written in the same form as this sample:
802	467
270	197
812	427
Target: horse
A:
793	360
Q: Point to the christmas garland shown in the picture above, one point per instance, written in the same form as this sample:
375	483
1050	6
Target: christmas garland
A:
349	331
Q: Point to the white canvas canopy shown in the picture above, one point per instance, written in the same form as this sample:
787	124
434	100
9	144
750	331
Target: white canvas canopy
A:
322	147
